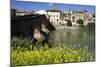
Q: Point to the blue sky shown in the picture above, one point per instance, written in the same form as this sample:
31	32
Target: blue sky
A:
36	6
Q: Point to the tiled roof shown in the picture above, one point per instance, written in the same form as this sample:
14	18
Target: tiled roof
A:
53	10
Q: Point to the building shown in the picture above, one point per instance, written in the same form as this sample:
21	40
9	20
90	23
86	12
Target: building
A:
21	13
54	16
66	15
76	15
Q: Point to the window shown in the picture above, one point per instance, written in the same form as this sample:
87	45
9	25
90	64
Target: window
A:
73	19
57	19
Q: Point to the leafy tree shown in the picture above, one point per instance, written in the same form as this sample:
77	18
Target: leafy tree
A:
80	21
69	23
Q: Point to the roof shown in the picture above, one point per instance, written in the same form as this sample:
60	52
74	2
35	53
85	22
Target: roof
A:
79	11
53	10
22	11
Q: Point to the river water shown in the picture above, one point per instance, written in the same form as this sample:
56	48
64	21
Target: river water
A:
83	36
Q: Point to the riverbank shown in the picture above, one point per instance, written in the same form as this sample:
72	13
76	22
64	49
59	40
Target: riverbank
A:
67	27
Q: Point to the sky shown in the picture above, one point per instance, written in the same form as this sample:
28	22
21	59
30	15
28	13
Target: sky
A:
36	6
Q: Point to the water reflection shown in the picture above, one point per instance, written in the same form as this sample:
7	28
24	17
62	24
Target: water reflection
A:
84	36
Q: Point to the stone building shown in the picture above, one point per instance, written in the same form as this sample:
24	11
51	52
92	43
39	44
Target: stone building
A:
54	16
66	15
76	15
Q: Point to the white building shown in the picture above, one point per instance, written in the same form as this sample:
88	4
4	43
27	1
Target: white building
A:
58	18
54	16
76	15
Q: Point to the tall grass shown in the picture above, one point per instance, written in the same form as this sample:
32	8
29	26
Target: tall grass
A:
45	55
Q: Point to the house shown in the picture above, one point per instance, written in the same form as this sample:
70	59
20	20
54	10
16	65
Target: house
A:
76	15
65	16
54	16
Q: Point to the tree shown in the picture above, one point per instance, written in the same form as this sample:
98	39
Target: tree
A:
80	21
69	23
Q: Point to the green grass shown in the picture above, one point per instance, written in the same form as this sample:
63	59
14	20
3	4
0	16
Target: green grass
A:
45	55
23	54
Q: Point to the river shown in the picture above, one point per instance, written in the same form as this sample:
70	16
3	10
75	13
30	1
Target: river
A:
83	36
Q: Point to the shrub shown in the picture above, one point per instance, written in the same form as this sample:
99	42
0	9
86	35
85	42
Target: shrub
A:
80	21
69	23
45	55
